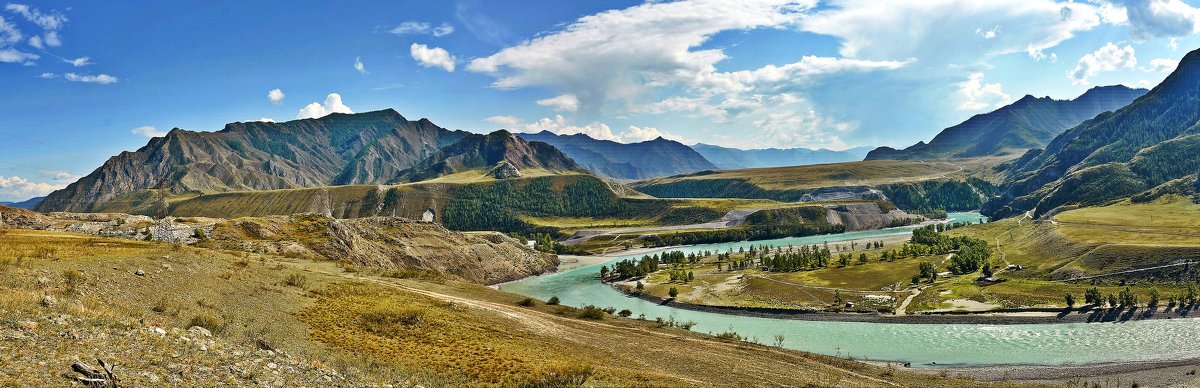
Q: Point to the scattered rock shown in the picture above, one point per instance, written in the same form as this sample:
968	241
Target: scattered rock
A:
160	331
43	281
200	331
139	272
49	301
28	325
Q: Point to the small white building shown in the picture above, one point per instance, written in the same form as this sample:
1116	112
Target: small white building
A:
428	215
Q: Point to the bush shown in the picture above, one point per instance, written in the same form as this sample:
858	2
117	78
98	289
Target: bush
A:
625	313
296	280
553	301
199	234
527	302
559	376
591	312
212	323
386	319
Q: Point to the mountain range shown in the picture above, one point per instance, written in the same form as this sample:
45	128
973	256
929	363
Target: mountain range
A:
1151	144
498	155
28	204
338	149
654	158
1028	123
726	158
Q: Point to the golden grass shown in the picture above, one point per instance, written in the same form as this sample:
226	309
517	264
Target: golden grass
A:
826	175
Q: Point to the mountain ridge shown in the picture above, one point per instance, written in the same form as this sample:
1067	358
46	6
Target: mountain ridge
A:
727	158
1115	155
653	158
1028	123
501	154
338	149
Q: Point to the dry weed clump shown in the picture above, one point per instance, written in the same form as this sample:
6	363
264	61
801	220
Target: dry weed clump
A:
212	323
296	280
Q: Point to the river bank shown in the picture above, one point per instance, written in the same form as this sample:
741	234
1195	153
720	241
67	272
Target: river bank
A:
1179	373
991	317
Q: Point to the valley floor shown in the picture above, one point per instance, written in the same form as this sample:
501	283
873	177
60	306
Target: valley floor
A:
175	314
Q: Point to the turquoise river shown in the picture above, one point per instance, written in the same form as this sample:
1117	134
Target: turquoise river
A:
920	344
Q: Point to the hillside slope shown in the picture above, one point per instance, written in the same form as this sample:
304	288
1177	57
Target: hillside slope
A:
727	158
1027	123
337	149
1115	155
498	155
655	158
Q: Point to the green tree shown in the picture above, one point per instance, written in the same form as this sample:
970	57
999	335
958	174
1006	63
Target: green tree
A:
1154	295
1070	300
673	292
552	301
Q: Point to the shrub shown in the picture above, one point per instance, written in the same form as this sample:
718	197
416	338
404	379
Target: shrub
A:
199	234
625	313
552	301
212	323
591	312
296	280
559	376
385	319
527	302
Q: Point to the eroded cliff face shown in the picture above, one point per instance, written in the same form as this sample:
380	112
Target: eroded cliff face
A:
868	216
386	242
382	242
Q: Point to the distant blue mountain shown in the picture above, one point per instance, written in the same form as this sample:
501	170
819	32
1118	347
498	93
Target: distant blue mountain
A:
26	204
648	159
732	158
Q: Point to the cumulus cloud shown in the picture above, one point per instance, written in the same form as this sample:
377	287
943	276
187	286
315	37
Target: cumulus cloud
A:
566	102
1165	65
504	121
1160	18
48	75
36	42
51	39
358	66
103	79
432	57
333	104
1110	57
617	54
903	29
639	134
9	34
422	28
275	96
79	62
16	188
148	131
261	120
977	95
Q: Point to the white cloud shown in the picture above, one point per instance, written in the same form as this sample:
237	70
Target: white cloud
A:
561	126
905	29
432	57
1161	18
504	121
103	79
275	96
261	120
443	30
9	34
48	21
1106	58
566	102
358	66
1165	65
79	62
48	75
333	104
988	33
16	188
148	131
977	95
422	28
617	54
51	39
639	134
36	42
14	56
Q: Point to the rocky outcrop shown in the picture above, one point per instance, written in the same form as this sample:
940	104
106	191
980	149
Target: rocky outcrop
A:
386	242
868	216
499	154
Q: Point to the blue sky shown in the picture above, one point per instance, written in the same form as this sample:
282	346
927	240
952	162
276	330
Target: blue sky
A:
82	81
